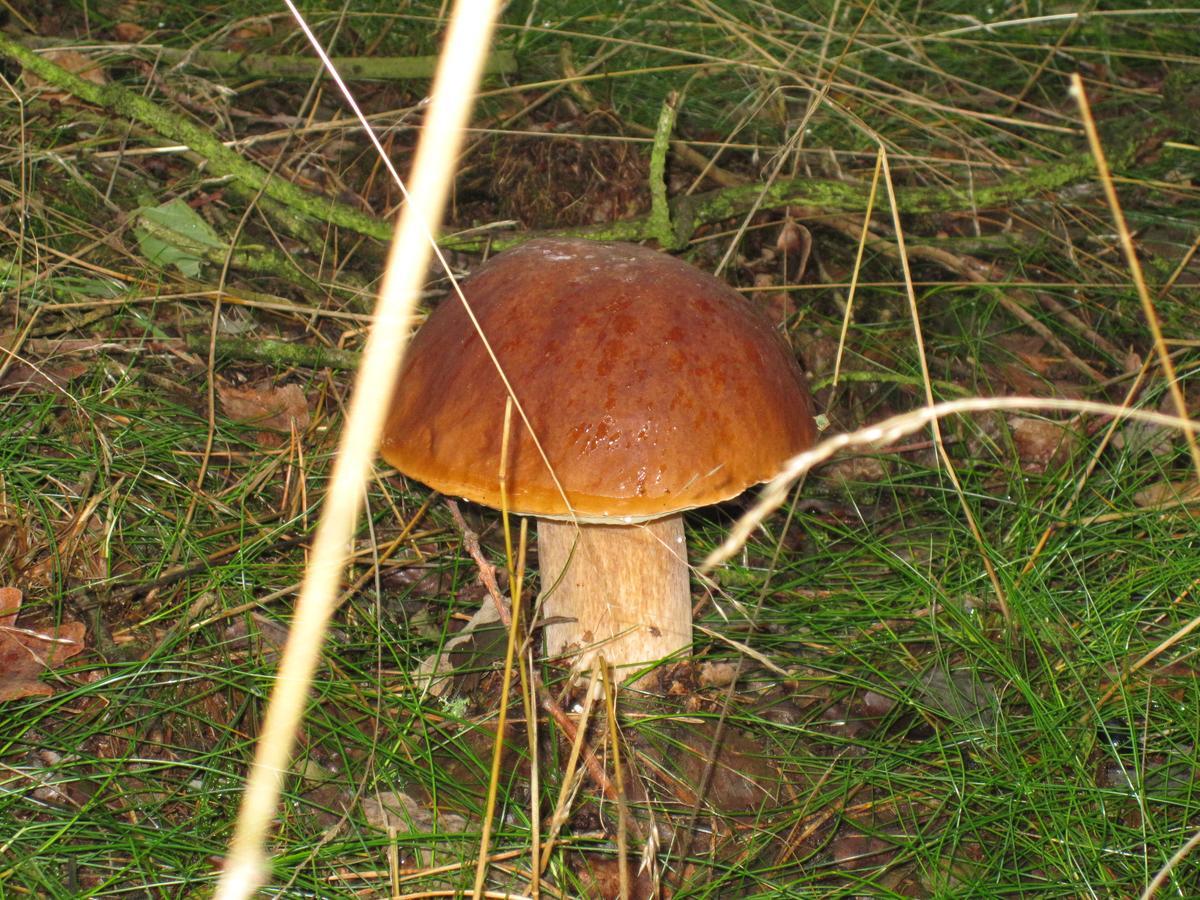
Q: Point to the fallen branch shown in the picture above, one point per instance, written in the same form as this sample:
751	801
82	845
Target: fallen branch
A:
690	213
222	160
282	354
265	65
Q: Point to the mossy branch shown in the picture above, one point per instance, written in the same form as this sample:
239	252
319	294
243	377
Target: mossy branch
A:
684	214
660	209
222	160
689	213
265	65
279	354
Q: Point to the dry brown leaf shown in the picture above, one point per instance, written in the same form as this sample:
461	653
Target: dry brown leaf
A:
130	32
249	31
73	61
27	377
277	408
1144	437
855	470
600	877
1040	442
394	809
718	674
1031	350
25	653
795	241
1017	378
777	305
1168	493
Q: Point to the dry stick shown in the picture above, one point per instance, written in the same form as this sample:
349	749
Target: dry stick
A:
498	747
862	245
487	572
570	783
1179	269
1158	651
1135	266
485	835
1164	873
453	91
774	492
529	704
973	270
614	735
935	427
595	769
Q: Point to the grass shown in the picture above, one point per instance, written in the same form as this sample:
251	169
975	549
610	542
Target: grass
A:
915	745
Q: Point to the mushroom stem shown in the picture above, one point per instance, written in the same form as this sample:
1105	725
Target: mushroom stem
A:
624	588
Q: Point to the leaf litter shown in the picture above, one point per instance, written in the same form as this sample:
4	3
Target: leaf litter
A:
26	653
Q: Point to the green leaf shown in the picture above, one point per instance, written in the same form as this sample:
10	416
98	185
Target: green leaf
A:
174	234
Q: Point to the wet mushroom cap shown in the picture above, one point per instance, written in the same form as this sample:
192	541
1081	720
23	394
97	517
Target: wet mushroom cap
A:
652	386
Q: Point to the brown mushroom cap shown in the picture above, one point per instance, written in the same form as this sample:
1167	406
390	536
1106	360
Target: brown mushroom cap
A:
652	386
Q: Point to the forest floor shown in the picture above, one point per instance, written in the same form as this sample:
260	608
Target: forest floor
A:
958	663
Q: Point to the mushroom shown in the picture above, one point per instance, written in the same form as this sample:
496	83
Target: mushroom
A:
652	388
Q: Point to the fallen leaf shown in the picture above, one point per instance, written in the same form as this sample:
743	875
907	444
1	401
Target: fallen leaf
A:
1167	493
397	810
855	470
719	674
1041	443
22	377
71	60
174	234
795	242
25	653
600	877
1145	437
961	696
129	32
277	408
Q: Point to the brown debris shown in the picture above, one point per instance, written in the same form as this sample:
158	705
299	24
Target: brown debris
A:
1041	444
27	652
277	408
73	61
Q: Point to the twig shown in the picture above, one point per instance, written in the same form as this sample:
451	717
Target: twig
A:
487	572
453	91
660	210
858	257
277	353
934	424
594	767
689	213
975	270
264	65
1135	268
